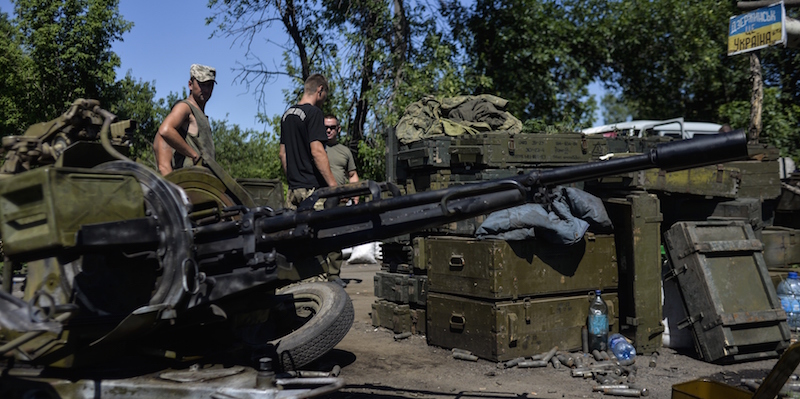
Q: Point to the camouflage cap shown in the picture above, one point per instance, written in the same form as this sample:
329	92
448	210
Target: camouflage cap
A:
203	73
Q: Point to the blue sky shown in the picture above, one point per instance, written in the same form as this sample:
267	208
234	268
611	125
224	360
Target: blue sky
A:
169	35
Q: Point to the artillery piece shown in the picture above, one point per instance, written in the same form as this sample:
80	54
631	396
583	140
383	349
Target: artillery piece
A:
120	261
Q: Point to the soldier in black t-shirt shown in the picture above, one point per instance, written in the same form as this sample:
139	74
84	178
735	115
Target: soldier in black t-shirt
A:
303	138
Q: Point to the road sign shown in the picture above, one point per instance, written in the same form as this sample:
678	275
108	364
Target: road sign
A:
757	29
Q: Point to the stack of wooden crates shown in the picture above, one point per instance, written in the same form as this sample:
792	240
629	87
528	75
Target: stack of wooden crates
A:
498	299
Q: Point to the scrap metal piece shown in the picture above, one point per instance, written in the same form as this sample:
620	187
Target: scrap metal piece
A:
627	392
198	375
465	356
532	363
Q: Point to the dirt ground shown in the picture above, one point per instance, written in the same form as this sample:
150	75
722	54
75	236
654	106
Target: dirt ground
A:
374	365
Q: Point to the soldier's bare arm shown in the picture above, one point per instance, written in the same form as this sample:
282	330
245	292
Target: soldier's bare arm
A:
168	138
353	178
282	156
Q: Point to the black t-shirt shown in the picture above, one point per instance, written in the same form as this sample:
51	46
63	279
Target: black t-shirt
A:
300	125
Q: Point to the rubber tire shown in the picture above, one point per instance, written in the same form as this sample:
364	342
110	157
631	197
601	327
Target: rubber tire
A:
333	319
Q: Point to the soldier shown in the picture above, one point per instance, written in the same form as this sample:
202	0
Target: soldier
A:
340	157
184	138
343	167
302	148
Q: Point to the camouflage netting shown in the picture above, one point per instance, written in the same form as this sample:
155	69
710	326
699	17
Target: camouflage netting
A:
455	116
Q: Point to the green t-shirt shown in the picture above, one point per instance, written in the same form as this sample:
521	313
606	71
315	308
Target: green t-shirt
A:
341	159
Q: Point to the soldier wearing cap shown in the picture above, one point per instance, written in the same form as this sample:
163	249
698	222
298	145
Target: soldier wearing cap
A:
184	137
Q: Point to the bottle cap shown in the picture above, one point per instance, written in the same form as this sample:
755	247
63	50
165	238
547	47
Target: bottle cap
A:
793	275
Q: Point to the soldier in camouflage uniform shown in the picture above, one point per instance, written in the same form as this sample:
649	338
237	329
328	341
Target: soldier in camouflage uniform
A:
184	137
343	167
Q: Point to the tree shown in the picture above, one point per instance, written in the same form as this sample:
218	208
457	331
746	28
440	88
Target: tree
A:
667	59
244	20
780	122
15	80
247	153
614	108
68	43
136	100
365	48
539	55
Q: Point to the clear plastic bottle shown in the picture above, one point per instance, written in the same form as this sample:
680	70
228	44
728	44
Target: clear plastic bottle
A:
621	348
597	323
789	295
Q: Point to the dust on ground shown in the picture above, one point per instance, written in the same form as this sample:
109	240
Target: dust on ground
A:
374	365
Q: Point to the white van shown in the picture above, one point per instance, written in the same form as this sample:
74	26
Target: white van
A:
676	128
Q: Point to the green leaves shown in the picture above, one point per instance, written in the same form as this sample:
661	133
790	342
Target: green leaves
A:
780	120
68	45
247	153
540	55
668	58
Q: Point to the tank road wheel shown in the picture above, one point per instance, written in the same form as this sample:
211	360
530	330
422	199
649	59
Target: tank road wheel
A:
323	316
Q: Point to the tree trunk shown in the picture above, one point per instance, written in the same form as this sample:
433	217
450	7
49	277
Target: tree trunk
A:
357	128
399	45
756	98
289	18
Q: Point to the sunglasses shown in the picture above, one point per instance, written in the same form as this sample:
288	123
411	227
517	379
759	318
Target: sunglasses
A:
331	126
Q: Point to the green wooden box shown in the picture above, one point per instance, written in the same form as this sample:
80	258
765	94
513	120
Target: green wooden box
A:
732	306
504	330
637	230
401	288
498	269
397	317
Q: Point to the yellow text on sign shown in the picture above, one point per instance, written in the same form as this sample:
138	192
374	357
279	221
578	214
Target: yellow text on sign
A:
757	38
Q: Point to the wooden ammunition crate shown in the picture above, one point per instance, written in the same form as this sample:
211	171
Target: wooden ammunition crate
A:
731	303
401	288
499	269
501	150
504	330
397	317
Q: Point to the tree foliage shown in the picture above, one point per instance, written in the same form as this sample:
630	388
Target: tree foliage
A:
15	79
539	55
243	21
659	58
135	100
781	123
246	153
668	59
68	45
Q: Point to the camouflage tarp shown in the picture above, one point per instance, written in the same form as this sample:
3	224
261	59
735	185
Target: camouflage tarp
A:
455	116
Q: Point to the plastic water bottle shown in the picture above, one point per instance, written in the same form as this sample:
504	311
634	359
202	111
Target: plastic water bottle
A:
794	284
598	323
789	295
621	348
